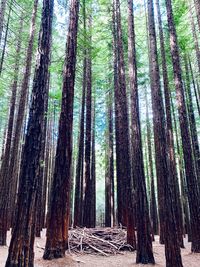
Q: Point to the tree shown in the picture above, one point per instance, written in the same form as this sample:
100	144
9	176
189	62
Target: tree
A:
87	218
5	181
58	217
197	7
124	183
165	185
20	115
109	174
22	242
144	242
193	194
78	200
2	15
153	203
169	135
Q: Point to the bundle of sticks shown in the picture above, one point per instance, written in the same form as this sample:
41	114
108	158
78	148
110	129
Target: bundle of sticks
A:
98	241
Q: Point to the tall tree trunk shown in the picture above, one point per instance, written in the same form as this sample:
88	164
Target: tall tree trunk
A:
165	185
153	203
109	175
123	161
197	7
193	194
197	98
196	41
144	242
2	14
182	176
6	36
39	204
58	217
93	167
192	122
78	199
21	247
5	180
87	220
169	136
20	116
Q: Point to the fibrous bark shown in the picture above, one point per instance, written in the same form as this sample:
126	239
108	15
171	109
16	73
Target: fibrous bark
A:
58	214
193	194
144	242
21	252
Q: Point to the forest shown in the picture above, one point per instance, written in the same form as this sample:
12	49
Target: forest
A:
99	133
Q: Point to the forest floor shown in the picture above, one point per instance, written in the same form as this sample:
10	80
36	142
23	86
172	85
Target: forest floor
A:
125	260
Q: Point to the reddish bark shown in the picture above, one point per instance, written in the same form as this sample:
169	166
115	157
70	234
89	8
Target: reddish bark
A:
193	194
58	214
21	246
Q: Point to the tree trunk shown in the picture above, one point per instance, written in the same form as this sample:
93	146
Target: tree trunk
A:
196	41
169	136
20	116
93	167
21	247
193	194
6	36
58	217
144	242
123	161
195	88
109	175
87	220
39	204
186	219
4	172
192	122
165	185
153	203
197	7
78	199
2	14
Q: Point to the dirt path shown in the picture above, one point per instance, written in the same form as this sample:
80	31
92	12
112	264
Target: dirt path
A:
126	260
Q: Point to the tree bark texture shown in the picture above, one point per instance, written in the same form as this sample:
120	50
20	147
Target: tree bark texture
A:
144	242
21	252
58	214
193	194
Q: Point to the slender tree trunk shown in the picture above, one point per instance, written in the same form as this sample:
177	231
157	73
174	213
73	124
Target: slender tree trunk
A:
87	220
123	161
182	175
144	242
195	87
58	217
193	194
109	175
196	41
6	36
192	122
197	7
20	116
169	136
78	199
93	167
153	203
4	195
39	204
165	185
2	14
21	247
